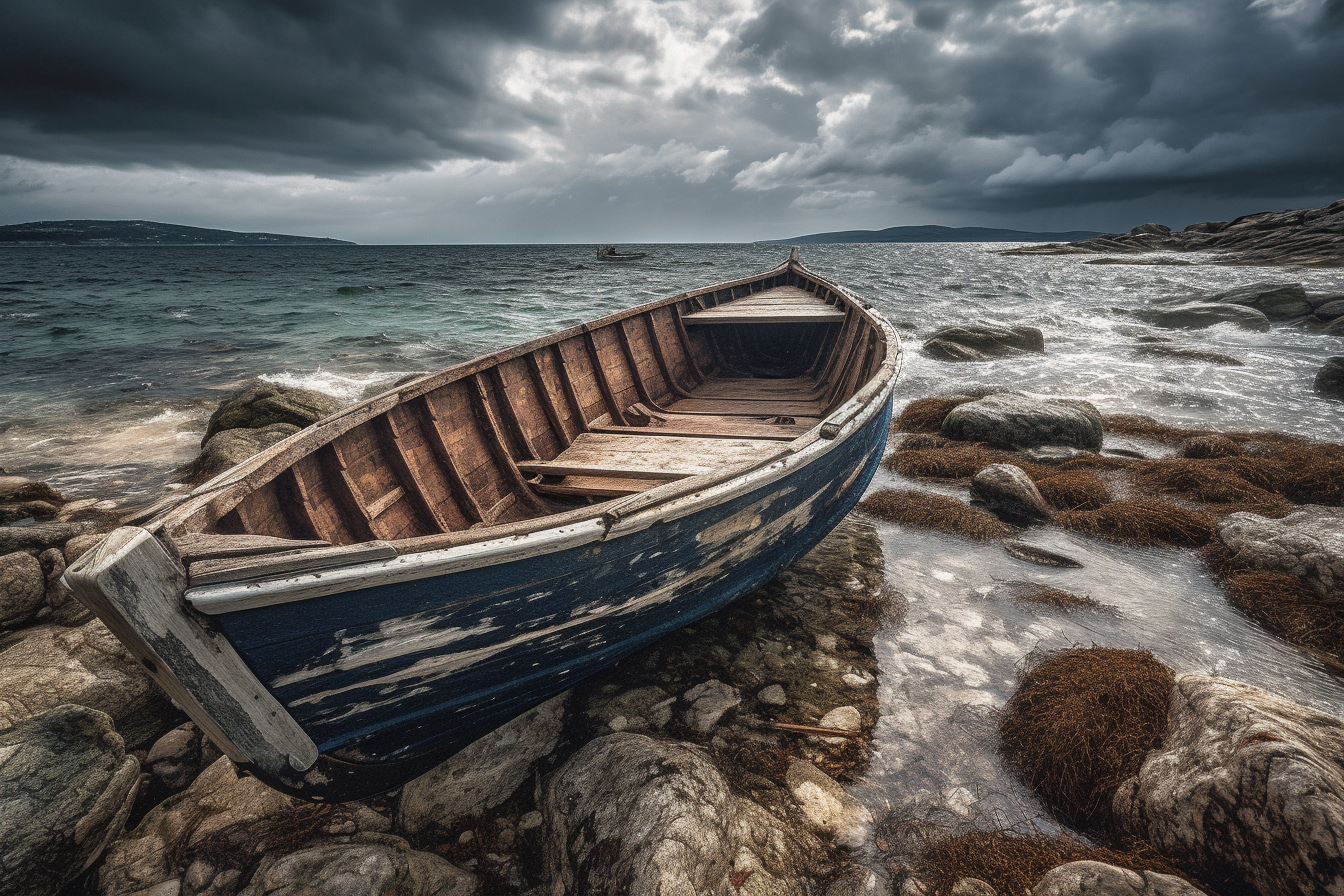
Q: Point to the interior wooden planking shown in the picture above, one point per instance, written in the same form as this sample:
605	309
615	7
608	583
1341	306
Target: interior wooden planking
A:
464	454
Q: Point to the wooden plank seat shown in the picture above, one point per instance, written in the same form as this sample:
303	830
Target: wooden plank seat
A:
748	408
742	387
613	464
779	305
643	421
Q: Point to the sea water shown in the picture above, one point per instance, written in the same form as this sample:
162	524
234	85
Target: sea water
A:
113	359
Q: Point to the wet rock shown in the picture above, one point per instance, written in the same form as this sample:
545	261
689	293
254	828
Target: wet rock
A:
709	702
1187	353
40	536
828	808
973	886
373	866
22	589
260	404
1151	228
772	696
1277	301
65	610
1198	315
983	342
210	837
1100	879
631	815
17	489
1308	543
1043	556
231	447
1008	491
1330	379
47	665
1014	420
1247	782
66	789
1050	455
1328	310
483	775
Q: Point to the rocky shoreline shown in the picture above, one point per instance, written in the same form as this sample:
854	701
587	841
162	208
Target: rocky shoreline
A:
1311	237
724	758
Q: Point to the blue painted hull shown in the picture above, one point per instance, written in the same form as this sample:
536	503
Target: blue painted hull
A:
423	668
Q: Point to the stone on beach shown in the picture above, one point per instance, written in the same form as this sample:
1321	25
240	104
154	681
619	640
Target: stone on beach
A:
66	789
1015	420
983	342
1008	491
372	865
259	404
484	774
40	536
709	702
1247	783
1308	544
828	808
231	447
1089	878
22	589
47	665
634	816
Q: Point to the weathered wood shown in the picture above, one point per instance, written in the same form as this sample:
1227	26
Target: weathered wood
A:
663	367
597	486
399	456
650	457
684	338
236	569
496	443
508	412
201	546
567	384
135	586
347	495
434	435
600	375
628	351
547	403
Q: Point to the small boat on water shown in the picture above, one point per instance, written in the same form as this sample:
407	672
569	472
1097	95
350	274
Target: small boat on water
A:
609	253
356	603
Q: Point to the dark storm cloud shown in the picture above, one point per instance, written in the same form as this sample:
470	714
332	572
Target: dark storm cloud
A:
1008	105
276	85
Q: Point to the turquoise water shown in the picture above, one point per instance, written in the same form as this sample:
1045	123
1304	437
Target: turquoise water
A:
113	358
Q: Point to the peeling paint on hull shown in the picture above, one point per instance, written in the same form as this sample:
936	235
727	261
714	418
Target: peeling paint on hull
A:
427	666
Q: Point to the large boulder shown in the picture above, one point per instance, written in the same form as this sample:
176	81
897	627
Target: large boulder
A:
1015	420
259	404
371	865
23	589
1277	301
1308	544
231	447
1330	378
1008	491
1099	879
983	342
1198	315
47	665
1245	782
633	816
66	789
483	775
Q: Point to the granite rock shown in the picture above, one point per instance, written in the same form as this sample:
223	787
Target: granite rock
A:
983	342
1008	491
1100	879
259	404
22	589
1015	420
1307	543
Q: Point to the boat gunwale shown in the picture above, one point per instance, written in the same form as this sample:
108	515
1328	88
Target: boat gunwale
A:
270	463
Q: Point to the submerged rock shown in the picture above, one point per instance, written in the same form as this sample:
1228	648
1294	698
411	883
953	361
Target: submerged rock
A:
983	342
1008	491
1277	301
634	816
1099	879
1016	420
1308	544
828	808
66	789
1198	315
709	702
1246	782
1330	379
259	404
484	774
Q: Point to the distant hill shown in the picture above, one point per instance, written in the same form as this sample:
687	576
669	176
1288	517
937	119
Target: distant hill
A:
145	233
933	233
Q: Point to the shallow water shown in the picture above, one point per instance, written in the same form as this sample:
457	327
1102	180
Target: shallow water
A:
113	359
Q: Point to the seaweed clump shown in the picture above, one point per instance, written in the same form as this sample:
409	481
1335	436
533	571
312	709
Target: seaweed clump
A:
1048	596
929	511
1074	490
1213	483
926	414
1142	521
1014	863
953	460
1081	723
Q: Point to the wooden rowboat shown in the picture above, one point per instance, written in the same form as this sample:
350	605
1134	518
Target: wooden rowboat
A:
609	253
356	603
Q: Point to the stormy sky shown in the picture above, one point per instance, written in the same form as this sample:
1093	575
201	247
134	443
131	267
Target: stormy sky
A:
416	121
